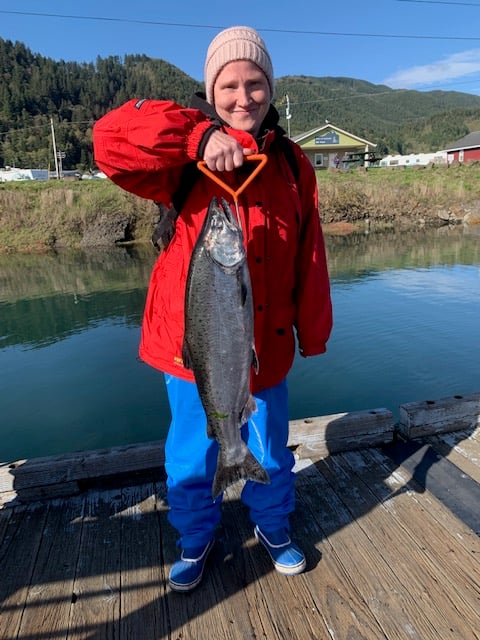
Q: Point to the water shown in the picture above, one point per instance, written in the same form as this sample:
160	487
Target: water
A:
406	310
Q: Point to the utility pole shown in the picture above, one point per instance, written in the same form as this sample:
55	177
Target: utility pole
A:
61	156
288	115
54	149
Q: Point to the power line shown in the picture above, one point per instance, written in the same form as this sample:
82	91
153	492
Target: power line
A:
455	4
109	19
270	30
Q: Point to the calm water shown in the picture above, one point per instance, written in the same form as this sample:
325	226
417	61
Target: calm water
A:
407	328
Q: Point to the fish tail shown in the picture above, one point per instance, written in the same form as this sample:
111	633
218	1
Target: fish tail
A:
248	469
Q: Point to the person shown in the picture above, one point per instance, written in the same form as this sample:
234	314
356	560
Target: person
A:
143	146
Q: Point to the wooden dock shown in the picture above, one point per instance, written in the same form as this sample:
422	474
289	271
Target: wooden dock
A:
390	531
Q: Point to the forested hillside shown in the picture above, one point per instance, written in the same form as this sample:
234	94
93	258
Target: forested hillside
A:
399	121
35	89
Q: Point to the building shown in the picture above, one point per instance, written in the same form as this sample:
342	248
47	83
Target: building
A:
466	149
13	174
330	146
414	159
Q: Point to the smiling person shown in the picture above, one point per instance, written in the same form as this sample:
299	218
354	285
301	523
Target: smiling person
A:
146	147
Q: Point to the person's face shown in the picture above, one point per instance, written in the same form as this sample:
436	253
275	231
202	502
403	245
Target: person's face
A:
241	95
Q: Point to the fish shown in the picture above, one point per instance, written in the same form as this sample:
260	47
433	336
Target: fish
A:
218	343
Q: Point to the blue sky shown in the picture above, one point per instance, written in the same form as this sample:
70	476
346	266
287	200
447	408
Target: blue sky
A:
415	44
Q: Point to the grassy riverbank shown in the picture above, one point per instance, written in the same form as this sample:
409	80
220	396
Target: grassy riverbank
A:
401	196
35	216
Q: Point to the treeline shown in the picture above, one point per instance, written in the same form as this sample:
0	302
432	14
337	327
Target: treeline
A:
35	89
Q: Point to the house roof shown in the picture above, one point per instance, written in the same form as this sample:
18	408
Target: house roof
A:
472	140
304	136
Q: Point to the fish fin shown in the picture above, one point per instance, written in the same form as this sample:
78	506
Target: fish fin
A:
186	359
249	409
210	431
243	293
255	363
247	469
242	286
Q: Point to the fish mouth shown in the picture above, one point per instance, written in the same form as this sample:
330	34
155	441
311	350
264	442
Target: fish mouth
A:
227	211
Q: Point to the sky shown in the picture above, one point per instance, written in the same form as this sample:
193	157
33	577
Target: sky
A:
404	44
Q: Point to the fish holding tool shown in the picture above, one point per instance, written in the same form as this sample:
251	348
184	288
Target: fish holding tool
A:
261	158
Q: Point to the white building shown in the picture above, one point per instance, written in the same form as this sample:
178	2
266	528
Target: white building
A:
13	174
415	159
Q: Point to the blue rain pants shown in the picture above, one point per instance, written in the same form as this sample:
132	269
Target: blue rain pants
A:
191	460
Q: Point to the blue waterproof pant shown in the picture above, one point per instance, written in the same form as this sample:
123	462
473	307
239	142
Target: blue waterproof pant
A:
191	459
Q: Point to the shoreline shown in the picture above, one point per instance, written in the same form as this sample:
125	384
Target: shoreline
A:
43	216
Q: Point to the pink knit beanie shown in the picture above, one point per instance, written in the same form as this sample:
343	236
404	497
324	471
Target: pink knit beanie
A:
236	43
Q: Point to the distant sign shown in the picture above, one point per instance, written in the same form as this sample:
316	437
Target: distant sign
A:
328	138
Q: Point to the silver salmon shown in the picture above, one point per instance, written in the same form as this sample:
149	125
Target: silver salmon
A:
218	343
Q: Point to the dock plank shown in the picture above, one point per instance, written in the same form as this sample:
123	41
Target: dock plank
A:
23	533
461	448
241	602
457	491
342	608
186	612
356	543
95	611
427	545
142	576
222	603
284	600
4	519
394	480
47	607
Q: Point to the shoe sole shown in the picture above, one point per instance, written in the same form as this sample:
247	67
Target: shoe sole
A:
289	571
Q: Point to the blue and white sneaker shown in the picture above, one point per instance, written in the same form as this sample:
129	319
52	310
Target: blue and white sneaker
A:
187	572
287	557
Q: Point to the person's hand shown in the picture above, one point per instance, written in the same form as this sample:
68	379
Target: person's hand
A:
224	153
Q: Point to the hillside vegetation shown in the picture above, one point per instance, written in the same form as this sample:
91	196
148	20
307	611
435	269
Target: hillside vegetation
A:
35	89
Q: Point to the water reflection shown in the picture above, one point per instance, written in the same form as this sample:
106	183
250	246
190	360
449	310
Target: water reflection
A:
359	256
24	276
406	327
46	298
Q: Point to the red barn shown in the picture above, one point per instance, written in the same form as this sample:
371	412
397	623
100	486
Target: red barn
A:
466	149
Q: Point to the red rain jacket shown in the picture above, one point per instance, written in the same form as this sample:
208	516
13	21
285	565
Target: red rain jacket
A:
143	146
